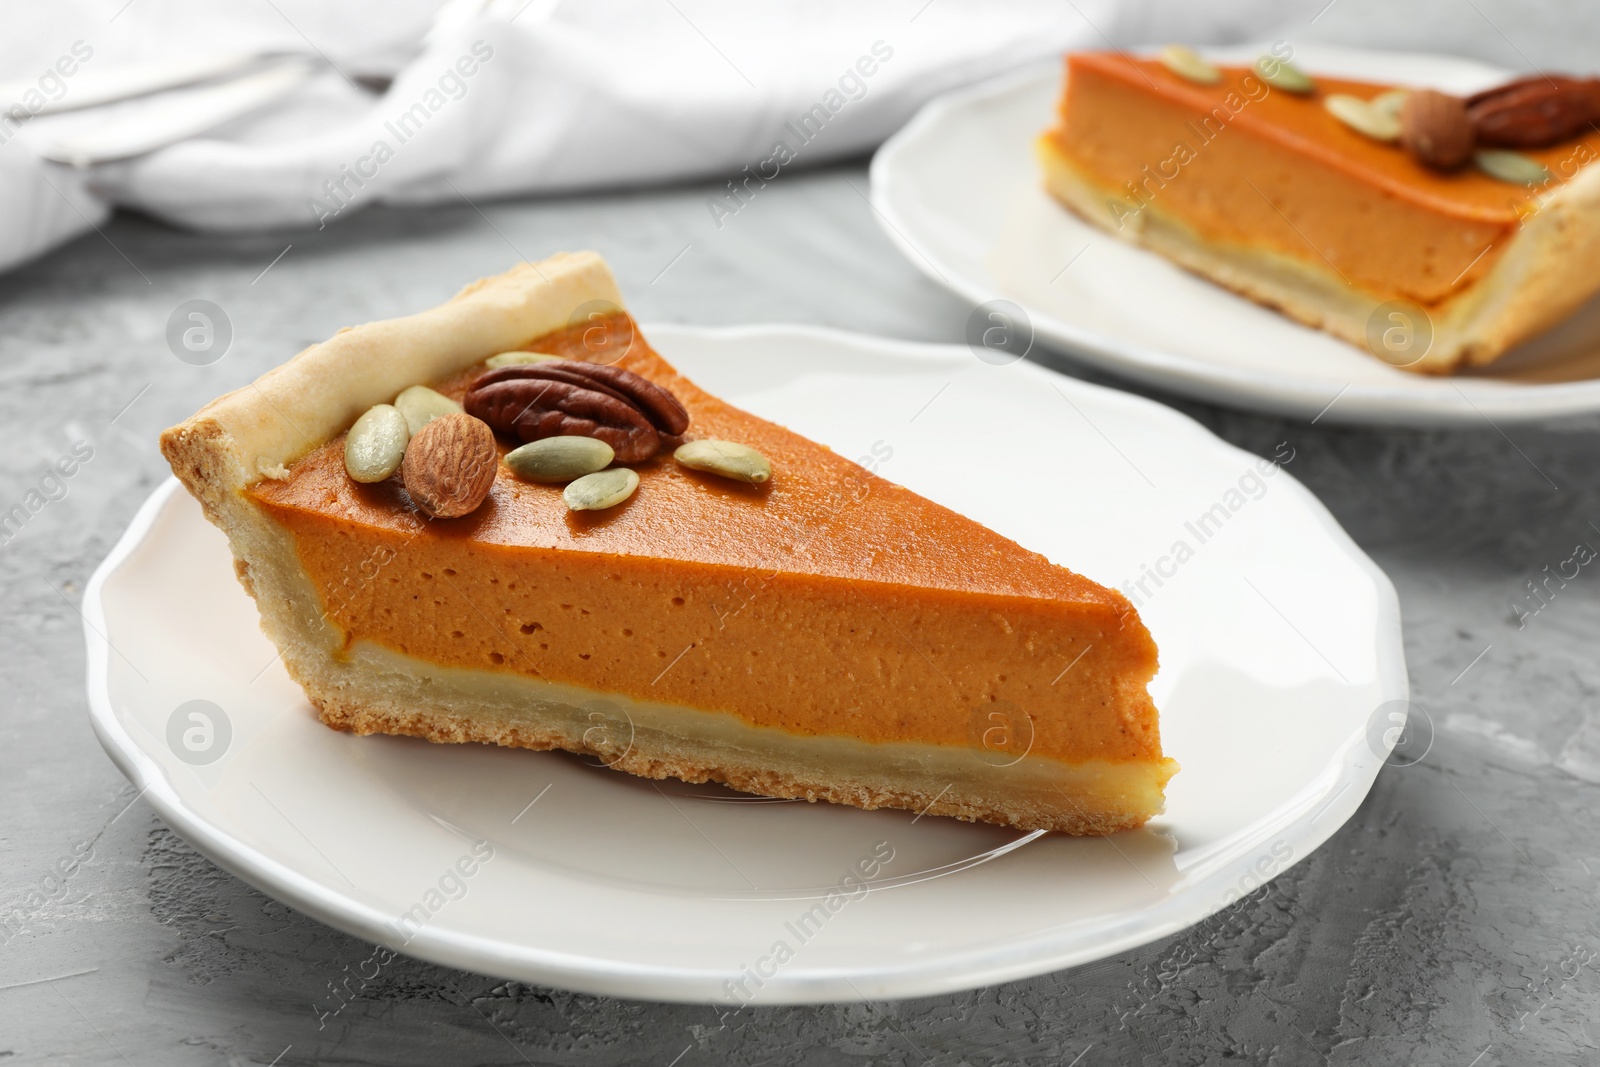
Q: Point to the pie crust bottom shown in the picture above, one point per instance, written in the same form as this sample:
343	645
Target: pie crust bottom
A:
363	687
372	689
1546	271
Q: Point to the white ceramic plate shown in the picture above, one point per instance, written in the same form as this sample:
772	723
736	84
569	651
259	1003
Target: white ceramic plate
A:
958	190
1279	641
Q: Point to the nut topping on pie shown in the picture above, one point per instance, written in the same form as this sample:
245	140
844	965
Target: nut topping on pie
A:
573	398
757	635
1330	206
1535	112
1434	128
450	465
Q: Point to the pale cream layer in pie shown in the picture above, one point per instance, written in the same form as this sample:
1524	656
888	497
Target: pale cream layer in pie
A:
828	635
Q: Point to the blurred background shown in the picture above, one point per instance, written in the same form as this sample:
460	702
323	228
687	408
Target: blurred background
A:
1450	921
292	113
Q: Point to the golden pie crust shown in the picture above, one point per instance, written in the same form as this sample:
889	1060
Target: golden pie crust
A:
898	655
1266	193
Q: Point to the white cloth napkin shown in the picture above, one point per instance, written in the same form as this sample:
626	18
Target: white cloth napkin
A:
506	97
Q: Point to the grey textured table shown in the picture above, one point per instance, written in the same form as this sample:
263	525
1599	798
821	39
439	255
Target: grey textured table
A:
1452	921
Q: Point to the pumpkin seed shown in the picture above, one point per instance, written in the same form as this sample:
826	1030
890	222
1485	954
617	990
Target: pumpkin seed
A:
516	359
1281	74
559	459
376	444
601	490
1513	167
727	458
1361	116
1389	103
1187	64
421	405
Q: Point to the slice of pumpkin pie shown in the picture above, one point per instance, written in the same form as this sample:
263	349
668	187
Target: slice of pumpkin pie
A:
508	520
1435	231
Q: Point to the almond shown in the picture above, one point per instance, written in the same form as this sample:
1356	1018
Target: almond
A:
450	465
1434	128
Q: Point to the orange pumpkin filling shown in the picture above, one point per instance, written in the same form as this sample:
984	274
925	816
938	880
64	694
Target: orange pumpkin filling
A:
826	602
1244	164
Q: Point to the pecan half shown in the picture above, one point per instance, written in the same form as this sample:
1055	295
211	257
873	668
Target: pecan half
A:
1434	128
533	408
1535	112
660	406
572	398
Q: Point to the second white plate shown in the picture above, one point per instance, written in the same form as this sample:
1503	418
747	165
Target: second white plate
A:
959	191
1280	664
